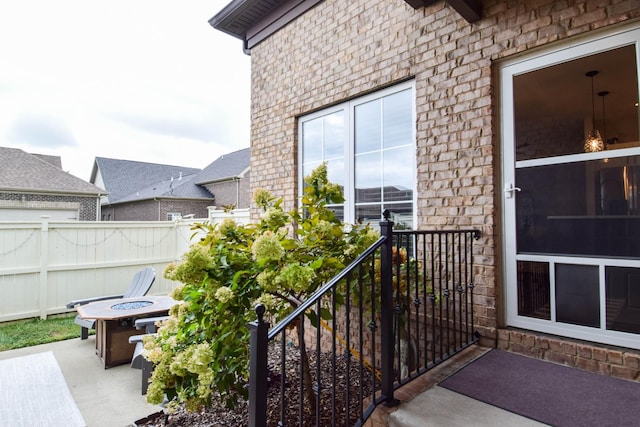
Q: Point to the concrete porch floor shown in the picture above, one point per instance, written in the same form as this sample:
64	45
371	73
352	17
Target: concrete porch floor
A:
105	397
112	398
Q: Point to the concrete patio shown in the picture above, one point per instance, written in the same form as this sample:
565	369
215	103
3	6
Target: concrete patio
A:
105	397
112	398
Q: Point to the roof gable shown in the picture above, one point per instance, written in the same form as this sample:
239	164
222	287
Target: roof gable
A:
24	172
123	178
228	166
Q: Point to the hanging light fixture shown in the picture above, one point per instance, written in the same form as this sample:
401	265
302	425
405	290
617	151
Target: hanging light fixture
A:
593	143
604	119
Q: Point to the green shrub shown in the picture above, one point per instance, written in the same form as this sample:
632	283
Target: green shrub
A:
278	262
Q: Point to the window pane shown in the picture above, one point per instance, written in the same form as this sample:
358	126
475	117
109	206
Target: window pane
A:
401	215
623	299
335	172
582	208
534	290
334	135
308	168
397	119
323	138
577	295
367	127
397	176
368	175
371	214
312	141
554	110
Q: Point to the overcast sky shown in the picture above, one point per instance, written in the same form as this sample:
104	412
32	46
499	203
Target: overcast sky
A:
144	80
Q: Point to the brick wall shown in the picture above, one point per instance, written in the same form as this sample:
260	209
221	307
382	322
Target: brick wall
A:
343	49
607	360
87	206
155	210
237	192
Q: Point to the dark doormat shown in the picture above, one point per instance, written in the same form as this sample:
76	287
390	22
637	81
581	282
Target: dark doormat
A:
546	392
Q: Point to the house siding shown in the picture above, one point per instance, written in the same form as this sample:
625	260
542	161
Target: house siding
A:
86	206
154	210
232	192
340	50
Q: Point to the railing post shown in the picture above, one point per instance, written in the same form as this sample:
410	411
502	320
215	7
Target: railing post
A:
258	370
386	311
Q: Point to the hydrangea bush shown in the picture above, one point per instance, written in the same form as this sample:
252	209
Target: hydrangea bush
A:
279	262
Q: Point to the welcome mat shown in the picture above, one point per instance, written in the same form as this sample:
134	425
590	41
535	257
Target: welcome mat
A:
33	392
546	392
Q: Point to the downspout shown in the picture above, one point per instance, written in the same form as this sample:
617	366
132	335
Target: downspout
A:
237	180
156	200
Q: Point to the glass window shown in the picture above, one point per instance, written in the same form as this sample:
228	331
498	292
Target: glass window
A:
577	295
369	147
623	299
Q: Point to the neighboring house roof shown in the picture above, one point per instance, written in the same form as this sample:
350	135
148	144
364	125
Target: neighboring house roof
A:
225	167
24	172
125	180
181	187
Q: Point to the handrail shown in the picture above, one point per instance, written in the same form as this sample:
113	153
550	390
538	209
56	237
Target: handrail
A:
407	307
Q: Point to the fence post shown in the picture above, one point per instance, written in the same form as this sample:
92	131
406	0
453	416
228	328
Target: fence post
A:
258	370
44	266
386	311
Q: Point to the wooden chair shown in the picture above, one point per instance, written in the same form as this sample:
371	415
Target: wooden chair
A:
139	286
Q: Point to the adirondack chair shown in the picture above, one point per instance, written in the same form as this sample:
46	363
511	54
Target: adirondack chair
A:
139	286
138	361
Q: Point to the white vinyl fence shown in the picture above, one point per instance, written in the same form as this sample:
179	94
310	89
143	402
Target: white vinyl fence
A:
44	265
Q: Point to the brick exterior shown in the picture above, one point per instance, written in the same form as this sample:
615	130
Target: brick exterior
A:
87	206
233	192
154	210
343	49
607	360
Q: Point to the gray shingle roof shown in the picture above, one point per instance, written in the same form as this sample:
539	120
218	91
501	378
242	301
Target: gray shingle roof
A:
179	188
21	171
128	180
227	166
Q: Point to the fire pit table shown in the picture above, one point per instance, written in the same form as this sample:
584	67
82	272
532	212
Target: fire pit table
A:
115	320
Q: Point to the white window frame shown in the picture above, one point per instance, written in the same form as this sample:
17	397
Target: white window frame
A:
349	145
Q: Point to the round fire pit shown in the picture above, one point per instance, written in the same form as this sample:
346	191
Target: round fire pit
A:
131	305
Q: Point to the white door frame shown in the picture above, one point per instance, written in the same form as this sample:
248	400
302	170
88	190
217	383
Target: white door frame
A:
583	47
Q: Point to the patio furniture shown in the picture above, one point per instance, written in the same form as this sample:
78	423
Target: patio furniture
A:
115	321
138	361
139	286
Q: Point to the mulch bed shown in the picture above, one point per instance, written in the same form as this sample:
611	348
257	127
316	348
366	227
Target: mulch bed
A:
219	415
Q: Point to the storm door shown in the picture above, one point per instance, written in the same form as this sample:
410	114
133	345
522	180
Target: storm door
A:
571	205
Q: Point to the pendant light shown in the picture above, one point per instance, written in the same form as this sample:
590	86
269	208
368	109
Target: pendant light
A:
593	143
604	119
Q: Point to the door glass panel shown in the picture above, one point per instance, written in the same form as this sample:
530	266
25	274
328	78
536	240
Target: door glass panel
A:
577	295
581	208
534	290
623	299
554	107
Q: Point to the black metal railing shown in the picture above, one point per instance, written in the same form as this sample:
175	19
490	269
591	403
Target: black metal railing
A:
402	307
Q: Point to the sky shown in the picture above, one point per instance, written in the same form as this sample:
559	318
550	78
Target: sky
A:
143	80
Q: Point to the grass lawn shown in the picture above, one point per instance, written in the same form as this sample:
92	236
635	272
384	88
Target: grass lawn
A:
25	333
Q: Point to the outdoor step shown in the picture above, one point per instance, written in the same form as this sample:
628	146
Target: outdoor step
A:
438	406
